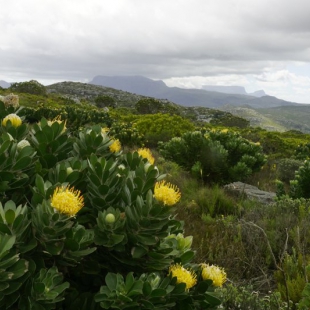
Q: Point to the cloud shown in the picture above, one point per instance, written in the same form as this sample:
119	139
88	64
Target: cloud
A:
75	40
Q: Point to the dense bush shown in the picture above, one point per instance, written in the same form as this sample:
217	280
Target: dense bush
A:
105	101
83	226
161	127
215	156
154	106
30	87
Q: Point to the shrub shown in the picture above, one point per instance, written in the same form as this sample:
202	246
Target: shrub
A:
286	169
215	156
80	227
105	101
31	87
161	127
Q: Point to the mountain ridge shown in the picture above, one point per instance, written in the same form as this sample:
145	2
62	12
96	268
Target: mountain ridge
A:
187	97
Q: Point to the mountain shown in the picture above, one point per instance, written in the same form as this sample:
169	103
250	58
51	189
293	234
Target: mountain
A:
238	90
281	118
187	97
4	84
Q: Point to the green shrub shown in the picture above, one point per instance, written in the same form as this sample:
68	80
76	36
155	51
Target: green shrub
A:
215	156
30	87
286	169
105	101
83	226
161	127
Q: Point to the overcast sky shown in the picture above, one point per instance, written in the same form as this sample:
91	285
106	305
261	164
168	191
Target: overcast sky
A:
258	44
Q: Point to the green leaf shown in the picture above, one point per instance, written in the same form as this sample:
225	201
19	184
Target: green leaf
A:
138	252
6	243
22	163
159	292
9	216
39	287
111	281
147	289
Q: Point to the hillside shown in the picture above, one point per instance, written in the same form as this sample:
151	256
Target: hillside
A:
82	91
275	119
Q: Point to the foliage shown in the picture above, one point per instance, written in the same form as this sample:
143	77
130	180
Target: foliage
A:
103	101
286	169
30	87
246	297
229	120
127	134
154	106
81	228
215	156
302	151
292	280
299	186
75	116
161	127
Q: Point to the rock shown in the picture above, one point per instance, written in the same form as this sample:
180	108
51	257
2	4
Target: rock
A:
250	192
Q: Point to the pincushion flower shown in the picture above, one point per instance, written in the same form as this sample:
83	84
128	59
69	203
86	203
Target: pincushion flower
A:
58	120
115	146
104	130
13	118
167	193
183	275
214	273
146	153
66	200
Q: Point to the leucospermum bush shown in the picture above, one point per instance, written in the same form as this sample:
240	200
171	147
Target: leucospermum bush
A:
82	226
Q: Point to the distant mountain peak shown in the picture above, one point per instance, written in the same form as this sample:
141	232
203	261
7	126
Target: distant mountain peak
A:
237	90
4	84
213	97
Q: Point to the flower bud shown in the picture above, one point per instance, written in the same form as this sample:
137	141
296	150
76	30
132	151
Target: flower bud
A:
110	218
21	144
69	170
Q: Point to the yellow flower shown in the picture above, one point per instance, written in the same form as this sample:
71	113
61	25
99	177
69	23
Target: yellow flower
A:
115	146
67	200
146	153
104	130
14	118
214	273
183	275
167	193
59	121
224	130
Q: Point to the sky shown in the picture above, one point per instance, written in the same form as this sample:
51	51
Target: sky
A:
258	44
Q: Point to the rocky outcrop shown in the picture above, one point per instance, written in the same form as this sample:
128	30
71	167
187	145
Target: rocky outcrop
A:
250	192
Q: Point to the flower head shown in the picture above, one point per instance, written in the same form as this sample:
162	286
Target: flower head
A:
183	275
115	146
104	130
13	118
146	153
21	144
214	273
58	120
67	200
167	193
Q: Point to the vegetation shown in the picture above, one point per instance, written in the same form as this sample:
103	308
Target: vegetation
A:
88	220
